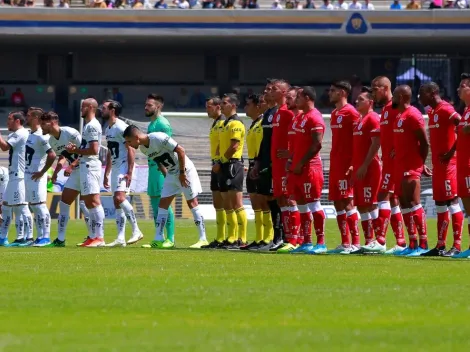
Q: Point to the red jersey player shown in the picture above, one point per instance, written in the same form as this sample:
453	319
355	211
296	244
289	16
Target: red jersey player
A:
389	208
343	120
305	180
366	169
442	122
279	145
463	153
411	149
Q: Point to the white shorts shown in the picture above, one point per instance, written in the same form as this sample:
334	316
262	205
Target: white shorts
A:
73	182
90	178
36	191
15	193
172	185
118	182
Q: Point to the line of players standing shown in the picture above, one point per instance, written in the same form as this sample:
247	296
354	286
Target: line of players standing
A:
285	176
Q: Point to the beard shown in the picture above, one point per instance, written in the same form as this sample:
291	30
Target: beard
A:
149	113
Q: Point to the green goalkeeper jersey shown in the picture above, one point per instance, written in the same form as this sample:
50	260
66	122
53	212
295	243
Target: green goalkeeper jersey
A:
161	124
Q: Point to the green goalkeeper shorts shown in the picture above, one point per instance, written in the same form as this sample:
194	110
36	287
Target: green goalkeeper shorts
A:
155	181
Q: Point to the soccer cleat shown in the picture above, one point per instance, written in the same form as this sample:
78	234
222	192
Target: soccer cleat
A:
418	252
56	243
42	242
4	242
136	237
253	246
199	244
265	246
435	252
116	243
276	246
352	249
374	247
338	249
451	252
303	249
27	243
318	249
213	245
167	244
404	252
84	241
153	244
464	254
95	242
395	249
287	248
16	243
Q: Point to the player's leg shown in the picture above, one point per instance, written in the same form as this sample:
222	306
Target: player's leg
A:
37	197
159	241
221	217
7	216
457	220
289	211
294	190
392	207
16	197
120	241
464	193
255	199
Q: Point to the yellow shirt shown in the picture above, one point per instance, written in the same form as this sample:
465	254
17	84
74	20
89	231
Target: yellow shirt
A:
254	137
232	128
214	137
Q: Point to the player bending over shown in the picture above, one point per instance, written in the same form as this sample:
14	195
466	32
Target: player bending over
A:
181	177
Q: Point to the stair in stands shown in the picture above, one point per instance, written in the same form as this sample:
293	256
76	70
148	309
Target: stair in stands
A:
77	3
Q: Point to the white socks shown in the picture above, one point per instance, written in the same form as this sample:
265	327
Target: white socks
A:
86	216
199	221
160	224
129	211
19	221
43	220
97	221
7	215
121	224
64	215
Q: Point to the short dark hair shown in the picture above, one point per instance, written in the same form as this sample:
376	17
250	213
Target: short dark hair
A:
344	85
464	76
430	87
130	131
115	105
233	98
368	90
18	115
36	112
310	92
50	116
255	98
215	99
156	97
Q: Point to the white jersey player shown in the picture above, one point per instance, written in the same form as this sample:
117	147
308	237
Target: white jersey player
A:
15	195
120	164
3	186
59	138
90	171
181	177
39	158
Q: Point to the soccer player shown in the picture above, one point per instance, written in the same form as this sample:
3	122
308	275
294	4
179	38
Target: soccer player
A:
15	197
39	158
59	138
463	153
232	136
279	148
262	170
343	120
213	109
90	171
305	178
181	177
120	164
389	208
158	123
3	186
442	122
366	170
411	149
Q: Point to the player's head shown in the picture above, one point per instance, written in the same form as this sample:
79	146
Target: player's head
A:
365	101
401	96
263	105
252	106
306	97
214	107
464	88
133	136
111	108
381	90
153	104
428	93
15	120
49	120
268	89
339	90
291	98
89	107
33	115
279	89
229	104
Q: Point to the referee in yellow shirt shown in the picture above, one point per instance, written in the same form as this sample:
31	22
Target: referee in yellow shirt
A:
213	109
231	140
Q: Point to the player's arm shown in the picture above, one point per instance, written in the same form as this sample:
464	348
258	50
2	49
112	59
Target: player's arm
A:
60	165
93	149
235	138
315	147
49	161
422	138
130	162
371	153
7	145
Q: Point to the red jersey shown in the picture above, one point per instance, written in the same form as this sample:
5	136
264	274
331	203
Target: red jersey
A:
442	129
387	120
306	124
368	127
291	133
463	141
407	155
281	122
342	125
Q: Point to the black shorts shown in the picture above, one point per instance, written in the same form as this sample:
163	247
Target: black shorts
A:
231	176
251	185
265	183
215	186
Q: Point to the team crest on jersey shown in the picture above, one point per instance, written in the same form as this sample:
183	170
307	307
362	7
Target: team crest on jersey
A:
270	118
386	115
467	115
278	118
339	119
359	126
303	123
436	117
400	123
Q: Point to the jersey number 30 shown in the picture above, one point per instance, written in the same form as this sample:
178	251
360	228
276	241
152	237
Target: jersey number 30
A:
165	159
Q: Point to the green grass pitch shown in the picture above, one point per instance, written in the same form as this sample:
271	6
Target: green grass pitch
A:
135	299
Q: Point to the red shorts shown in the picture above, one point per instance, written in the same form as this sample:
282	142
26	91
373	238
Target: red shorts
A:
307	186
400	175
366	190
388	183
463	181
279	179
339	187
444	182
